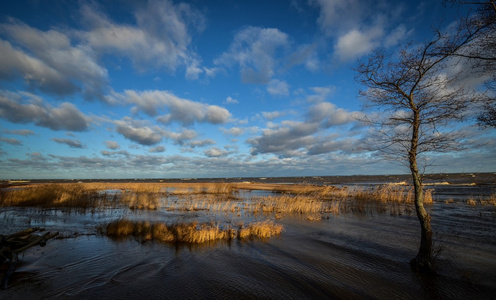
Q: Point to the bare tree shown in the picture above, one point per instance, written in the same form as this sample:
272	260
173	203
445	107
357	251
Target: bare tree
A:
474	39
417	103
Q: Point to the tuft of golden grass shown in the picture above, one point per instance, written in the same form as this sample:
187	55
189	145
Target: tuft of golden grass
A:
192	233
492	199
391	193
471	202
54	195
304	199
141	200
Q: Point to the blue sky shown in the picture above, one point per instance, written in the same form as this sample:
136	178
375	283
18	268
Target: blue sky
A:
141	89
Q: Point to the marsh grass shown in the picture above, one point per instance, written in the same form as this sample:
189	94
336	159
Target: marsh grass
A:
54	195
217	197
391	193
474	201
141	200
193	233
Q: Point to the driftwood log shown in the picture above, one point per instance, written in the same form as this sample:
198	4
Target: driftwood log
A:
12	245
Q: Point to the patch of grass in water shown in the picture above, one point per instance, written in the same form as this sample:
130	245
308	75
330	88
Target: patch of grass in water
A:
193	233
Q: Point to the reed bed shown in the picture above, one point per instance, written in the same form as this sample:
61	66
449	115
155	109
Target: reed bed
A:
141	200
54	195
474	201
193	233
219	197
391	193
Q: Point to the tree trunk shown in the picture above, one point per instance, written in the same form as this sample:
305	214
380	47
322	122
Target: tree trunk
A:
423	260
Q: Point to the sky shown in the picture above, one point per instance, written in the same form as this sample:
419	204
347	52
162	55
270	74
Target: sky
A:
194	89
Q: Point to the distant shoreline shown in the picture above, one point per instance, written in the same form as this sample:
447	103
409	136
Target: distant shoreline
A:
453	178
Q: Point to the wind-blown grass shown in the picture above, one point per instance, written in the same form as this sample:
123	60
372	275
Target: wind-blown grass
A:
216	197
54	195
193	233
391	193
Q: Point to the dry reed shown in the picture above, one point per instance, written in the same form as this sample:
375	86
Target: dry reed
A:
54	195
141	200
391	193
193	233
220	197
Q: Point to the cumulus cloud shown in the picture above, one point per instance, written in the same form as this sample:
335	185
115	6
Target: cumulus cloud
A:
333	144
50	61
335	14
116	153
23	132
396	35
356	43
320	93
69	142
159	38
137	133
11	141
234	131
202	143
230	100
278	87
157	149
295	138
255	49
286	140
181	138
16	109
112	145
305	55
179	110
329	115
358	30
215	152
271	115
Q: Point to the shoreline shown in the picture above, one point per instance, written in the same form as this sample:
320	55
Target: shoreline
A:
450	178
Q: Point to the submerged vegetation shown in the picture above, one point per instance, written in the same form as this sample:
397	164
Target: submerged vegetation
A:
280	198
234	202
188	233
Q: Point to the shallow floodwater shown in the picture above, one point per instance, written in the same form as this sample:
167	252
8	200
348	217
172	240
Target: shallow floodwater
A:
346	256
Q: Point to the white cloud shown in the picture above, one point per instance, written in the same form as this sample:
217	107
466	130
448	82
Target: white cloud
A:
271	115
23	132
289	139
202	143
49	61
329	115
182	137
179	110
138	133
396	35
112	145
215	152
69	142
230	100
11	141
157	149
160	38
278	87
26	108
336	14
234	131
356	43
357	30
255	50
211	72
320	93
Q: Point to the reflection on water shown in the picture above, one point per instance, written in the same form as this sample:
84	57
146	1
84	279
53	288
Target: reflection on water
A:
345	256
